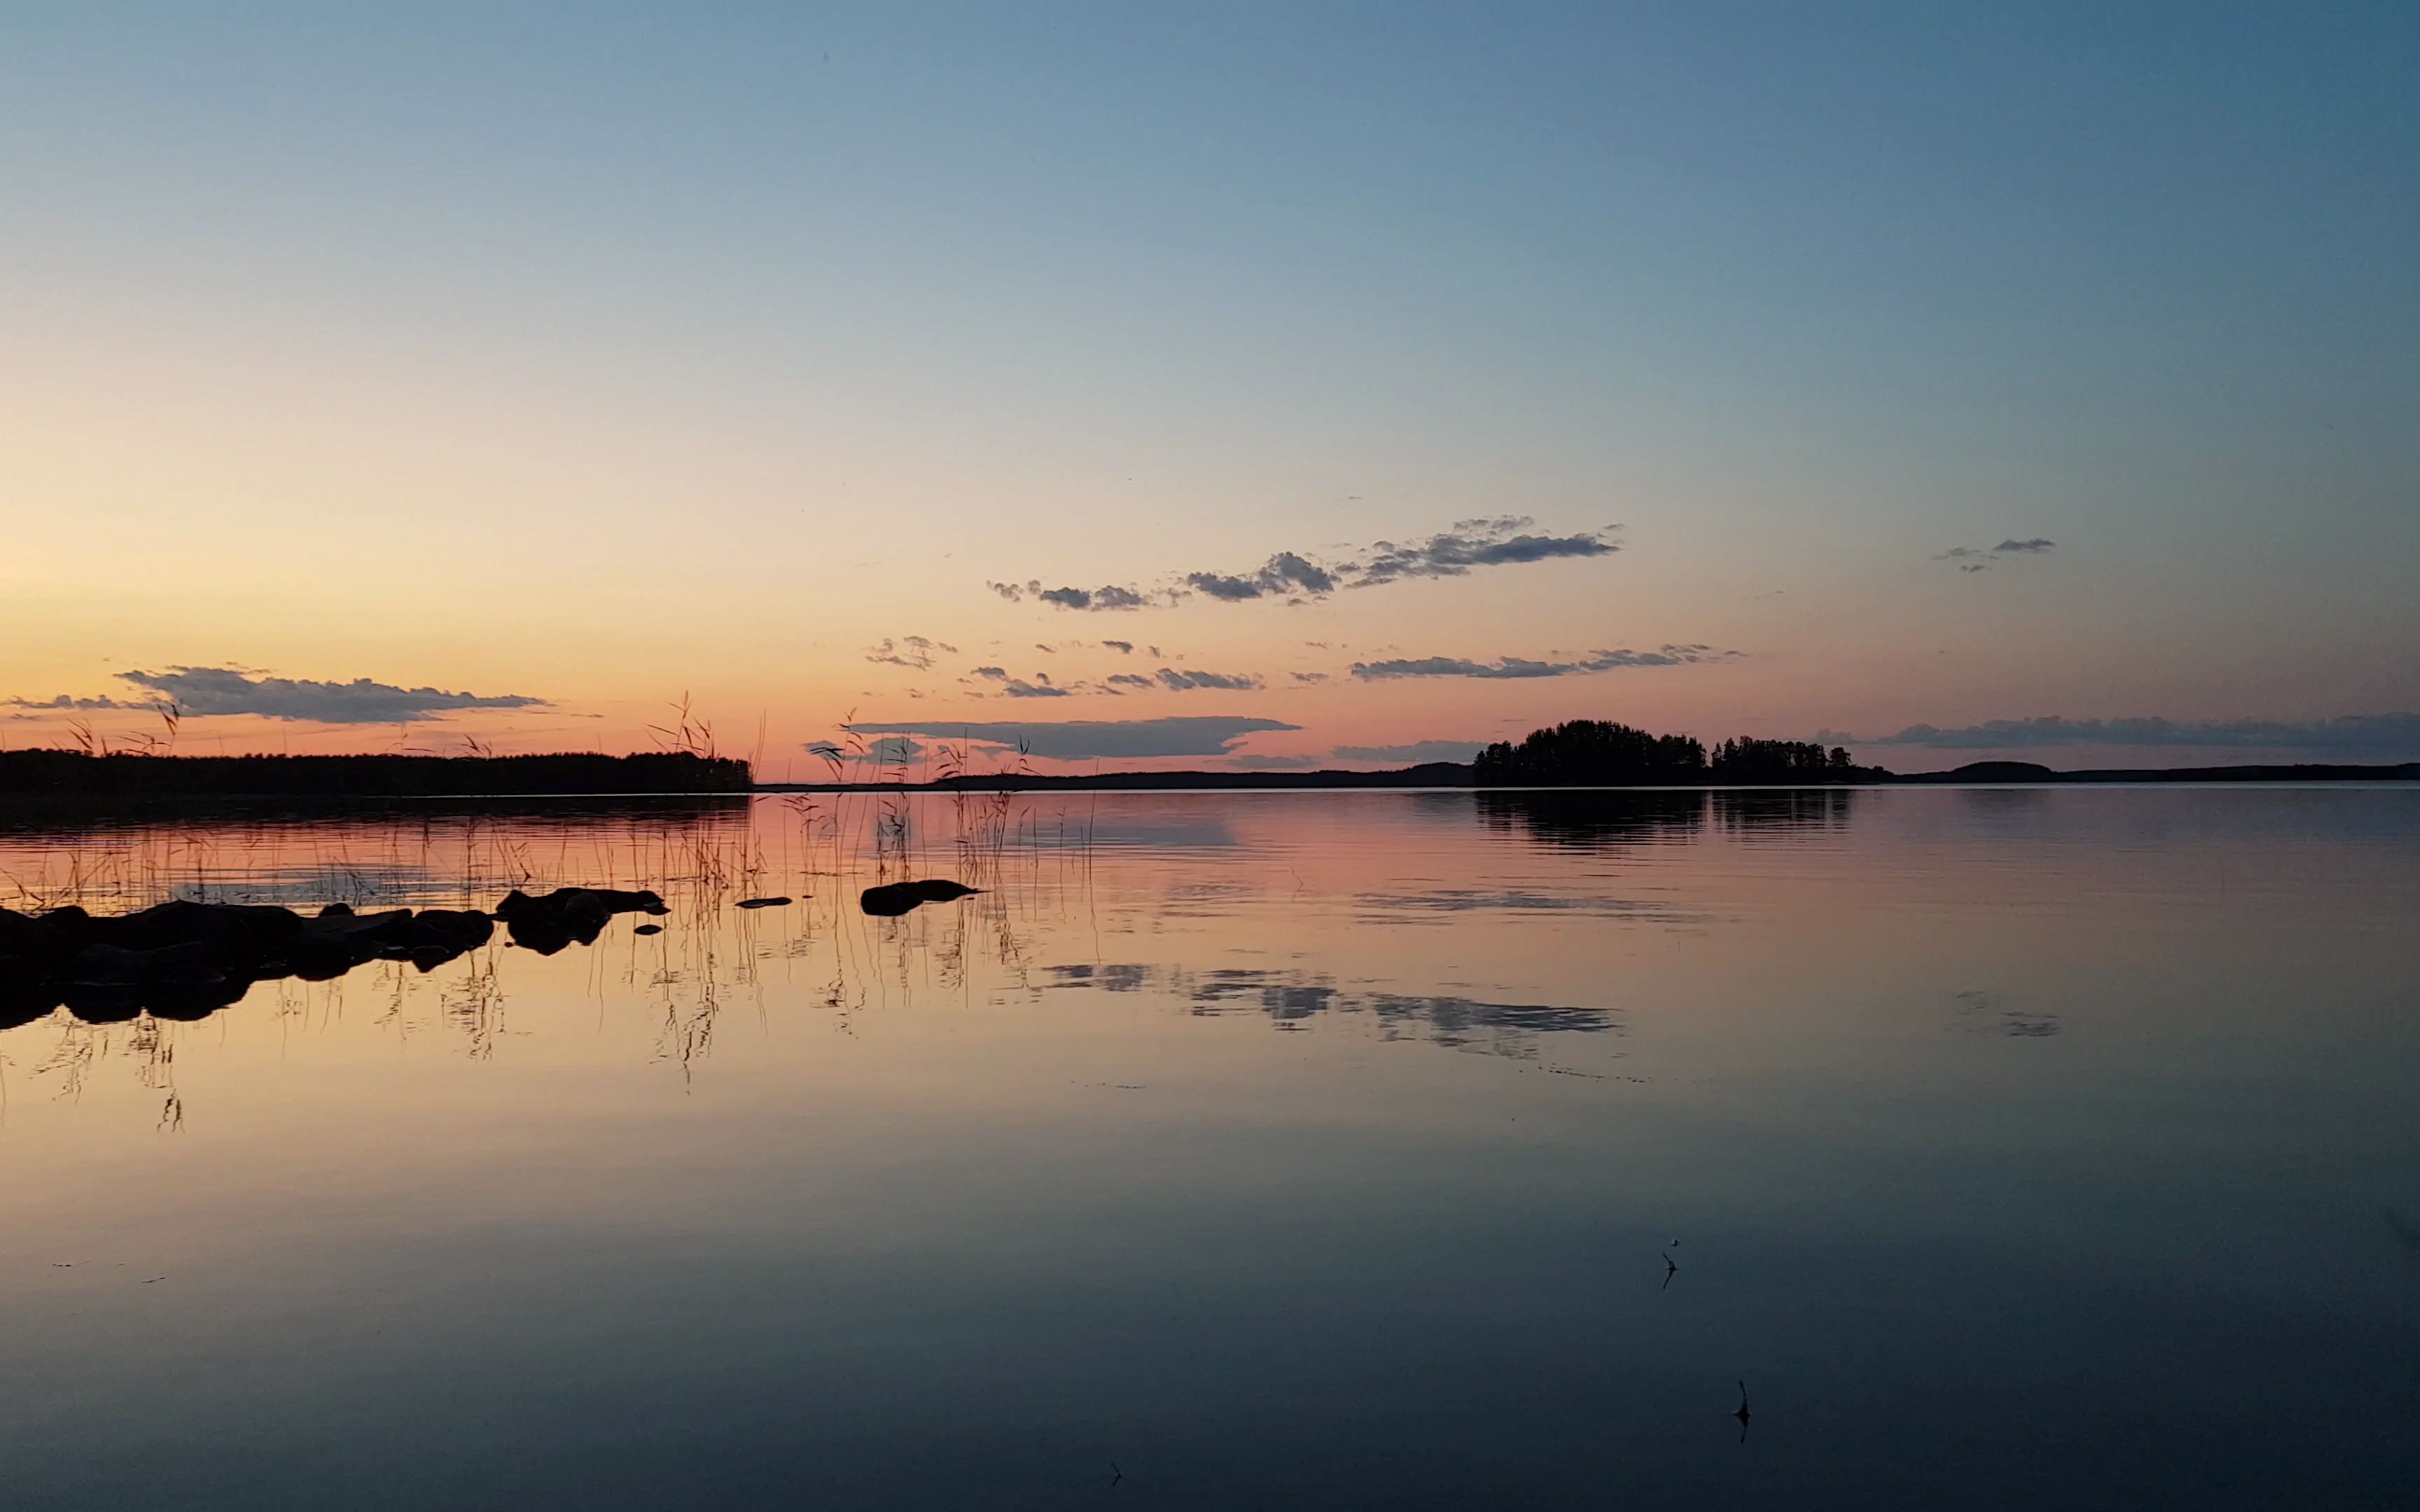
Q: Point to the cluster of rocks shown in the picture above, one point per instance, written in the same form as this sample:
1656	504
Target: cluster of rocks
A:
185	960
569	916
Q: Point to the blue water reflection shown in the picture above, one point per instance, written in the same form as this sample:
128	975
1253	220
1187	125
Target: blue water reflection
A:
2034	1149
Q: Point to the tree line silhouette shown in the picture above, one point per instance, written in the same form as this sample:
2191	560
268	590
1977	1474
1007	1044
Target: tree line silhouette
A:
1600	753
66	773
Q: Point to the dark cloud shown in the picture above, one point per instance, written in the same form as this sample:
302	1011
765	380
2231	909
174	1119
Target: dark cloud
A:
1502	541
1517	667
1041	687
203	691
2036	544
1123	648
64	702
1109	597
908	651
2371	734
997	674
1078	740
1311	677
1285	573
1129	680
1184	682
1413	754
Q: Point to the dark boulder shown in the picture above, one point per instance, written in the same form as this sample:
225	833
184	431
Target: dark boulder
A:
230	930
890	899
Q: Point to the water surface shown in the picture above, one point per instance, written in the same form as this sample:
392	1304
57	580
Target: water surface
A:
2018	1147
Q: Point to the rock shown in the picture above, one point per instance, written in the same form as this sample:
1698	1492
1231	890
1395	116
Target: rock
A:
893	899
185	960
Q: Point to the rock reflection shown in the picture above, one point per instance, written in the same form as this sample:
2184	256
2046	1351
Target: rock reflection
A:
1985	1012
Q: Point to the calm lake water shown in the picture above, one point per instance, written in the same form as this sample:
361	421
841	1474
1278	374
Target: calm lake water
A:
2017	1148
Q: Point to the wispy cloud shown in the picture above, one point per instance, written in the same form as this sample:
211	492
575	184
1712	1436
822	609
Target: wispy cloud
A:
2374	734
1517	667
1079	740
908	651
205	691
1495	541
1980	559
1185	682
1123	648
1502	541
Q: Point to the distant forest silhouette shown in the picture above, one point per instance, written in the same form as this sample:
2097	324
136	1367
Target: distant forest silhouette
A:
1599	753
114	774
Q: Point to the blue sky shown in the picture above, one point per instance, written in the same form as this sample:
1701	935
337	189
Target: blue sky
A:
813	323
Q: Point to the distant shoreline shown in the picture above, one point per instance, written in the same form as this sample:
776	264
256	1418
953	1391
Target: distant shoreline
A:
1442	775
72	776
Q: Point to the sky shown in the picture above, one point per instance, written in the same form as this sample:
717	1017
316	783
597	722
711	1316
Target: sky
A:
1285	385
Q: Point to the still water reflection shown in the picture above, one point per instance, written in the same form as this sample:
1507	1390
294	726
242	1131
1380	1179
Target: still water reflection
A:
2018	1147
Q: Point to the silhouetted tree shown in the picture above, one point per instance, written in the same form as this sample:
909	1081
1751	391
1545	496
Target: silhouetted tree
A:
1590	753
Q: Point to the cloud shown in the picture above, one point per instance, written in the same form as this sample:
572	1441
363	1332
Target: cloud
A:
1184	682
1123	648
1500	542
2374	734
908	651
1079	740
1041	687
1109	597
890	750
1413	754
997	674
1496	540
1976	559
1517	667
203	691
64	702
1274	764
1284	573
1129	680
1311	677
